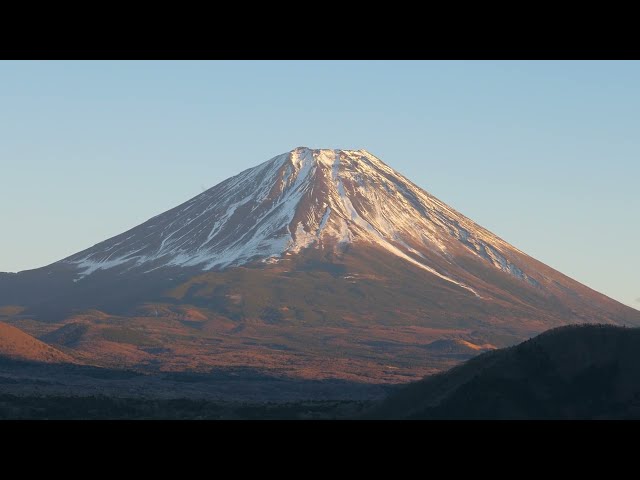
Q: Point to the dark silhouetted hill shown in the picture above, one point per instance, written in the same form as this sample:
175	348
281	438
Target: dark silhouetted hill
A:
574	372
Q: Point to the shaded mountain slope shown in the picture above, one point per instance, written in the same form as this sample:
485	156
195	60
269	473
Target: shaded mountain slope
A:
589	371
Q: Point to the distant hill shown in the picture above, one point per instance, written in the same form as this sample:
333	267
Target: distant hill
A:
574	372
16	344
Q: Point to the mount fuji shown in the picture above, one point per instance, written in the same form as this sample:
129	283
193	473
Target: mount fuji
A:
318	263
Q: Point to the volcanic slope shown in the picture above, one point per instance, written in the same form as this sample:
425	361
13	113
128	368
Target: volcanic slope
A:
316	263
17	345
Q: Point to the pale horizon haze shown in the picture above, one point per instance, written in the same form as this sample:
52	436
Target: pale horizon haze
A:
545	154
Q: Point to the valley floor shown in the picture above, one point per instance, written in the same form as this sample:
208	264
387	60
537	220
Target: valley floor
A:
31	380
14	407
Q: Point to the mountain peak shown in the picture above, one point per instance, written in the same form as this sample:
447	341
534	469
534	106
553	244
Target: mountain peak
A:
318	150
322	155
338	161
305	199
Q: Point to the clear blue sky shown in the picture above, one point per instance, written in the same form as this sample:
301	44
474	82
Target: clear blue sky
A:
544	154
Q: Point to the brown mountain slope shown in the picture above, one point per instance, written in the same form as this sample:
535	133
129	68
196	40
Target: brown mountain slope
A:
16	344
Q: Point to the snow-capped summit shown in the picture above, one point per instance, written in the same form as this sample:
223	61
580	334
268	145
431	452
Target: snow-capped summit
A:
305	198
